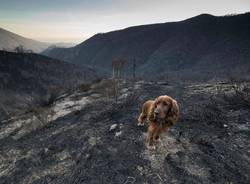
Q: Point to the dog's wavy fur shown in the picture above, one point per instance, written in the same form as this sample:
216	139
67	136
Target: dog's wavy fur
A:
157	126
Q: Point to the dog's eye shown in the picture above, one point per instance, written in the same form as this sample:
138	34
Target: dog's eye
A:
156	104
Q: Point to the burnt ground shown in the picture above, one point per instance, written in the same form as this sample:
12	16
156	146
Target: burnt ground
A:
209	144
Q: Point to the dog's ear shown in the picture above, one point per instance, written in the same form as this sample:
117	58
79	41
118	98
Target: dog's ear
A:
151	112
174	109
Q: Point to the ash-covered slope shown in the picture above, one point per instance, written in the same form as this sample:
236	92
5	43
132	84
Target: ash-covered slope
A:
91	139
31	79
9	41
201	46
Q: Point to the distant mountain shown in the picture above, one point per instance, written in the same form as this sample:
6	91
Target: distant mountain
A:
9	41
203	46
56	46
31	79
63	44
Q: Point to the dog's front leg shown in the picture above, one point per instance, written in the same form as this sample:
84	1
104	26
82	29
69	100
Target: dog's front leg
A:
141	119
149	138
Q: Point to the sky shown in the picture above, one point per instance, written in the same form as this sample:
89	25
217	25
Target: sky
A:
77	20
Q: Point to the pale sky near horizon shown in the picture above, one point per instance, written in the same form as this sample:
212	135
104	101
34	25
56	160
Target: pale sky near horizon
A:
77	20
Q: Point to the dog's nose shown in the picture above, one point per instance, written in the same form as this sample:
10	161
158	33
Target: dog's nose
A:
156	112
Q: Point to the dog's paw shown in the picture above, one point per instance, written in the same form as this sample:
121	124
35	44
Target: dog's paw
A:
159	142
151	147
140	124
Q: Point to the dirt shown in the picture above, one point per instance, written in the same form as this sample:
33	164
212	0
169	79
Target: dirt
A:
96	140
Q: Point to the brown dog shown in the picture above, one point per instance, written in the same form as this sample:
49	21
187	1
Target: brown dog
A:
161	114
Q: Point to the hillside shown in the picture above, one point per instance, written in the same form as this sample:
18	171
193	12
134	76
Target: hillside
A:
29	80
201	47
87	137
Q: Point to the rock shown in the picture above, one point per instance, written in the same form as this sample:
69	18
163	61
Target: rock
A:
112	127
93	140
117	134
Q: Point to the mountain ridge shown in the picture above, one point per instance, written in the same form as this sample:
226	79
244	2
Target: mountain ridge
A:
176	45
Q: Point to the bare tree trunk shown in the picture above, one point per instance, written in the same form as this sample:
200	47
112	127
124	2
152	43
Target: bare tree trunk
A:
115	86
118	73
113	72
134	66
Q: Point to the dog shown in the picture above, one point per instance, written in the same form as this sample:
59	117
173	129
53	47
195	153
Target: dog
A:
161	113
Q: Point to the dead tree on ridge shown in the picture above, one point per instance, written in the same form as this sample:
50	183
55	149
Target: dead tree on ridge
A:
117	65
